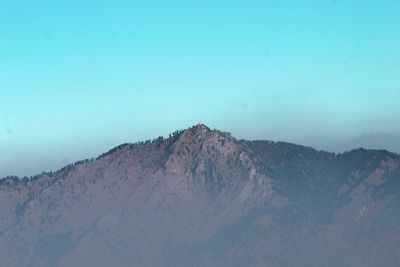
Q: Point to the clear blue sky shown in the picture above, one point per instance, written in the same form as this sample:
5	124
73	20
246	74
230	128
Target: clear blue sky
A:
78	77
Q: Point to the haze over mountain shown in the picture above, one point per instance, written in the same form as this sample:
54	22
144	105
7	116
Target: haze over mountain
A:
78	77
203	198
380	140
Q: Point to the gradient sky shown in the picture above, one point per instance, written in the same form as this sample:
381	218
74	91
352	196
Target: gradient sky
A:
79	77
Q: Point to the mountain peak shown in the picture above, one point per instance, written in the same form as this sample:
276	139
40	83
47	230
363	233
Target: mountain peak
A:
201	132
201	198
199	128
198	131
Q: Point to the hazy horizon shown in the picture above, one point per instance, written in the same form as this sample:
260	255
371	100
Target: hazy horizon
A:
78	78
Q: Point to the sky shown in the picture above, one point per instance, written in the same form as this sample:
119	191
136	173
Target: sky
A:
80	77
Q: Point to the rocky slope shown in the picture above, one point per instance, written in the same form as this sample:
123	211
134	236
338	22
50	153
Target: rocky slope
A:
204	198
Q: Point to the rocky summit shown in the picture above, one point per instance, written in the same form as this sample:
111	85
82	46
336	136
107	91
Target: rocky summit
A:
203	198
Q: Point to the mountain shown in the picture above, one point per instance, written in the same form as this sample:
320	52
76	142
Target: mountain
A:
203	198
379	140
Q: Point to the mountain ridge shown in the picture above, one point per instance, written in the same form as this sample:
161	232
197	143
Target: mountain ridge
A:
177	133
203	198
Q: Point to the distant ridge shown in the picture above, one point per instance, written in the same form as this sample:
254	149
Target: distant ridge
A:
375	141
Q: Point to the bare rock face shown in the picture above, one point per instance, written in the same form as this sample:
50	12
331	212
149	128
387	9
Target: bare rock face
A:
203	198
